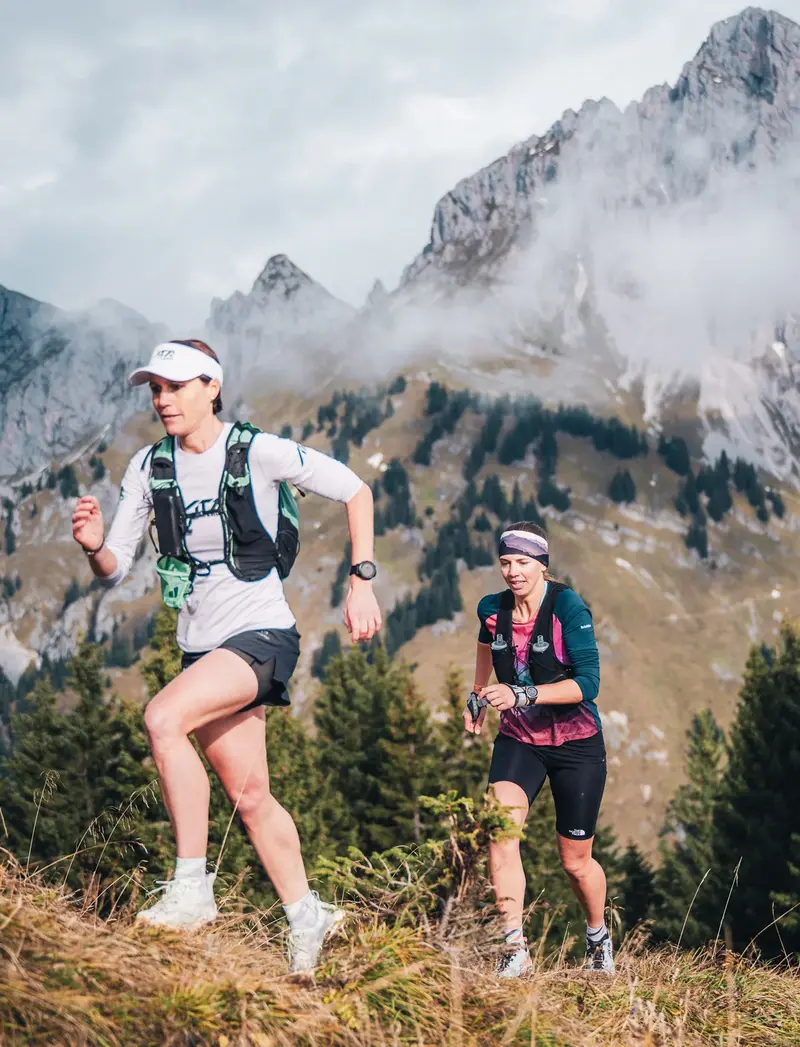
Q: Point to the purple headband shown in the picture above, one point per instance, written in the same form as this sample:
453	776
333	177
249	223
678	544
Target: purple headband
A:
524	543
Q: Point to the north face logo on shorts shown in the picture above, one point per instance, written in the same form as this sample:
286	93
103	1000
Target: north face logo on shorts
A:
577	832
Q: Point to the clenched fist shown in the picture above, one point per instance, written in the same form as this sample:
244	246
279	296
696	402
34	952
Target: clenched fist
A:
87	523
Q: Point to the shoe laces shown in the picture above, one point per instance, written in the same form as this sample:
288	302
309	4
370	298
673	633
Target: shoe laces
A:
170	890
596	951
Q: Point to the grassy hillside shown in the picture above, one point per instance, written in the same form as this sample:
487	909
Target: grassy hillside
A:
67	977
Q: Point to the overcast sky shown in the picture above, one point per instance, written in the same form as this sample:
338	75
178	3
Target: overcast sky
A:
159	152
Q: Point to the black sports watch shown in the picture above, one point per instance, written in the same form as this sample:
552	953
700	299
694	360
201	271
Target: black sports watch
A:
365	570
525	696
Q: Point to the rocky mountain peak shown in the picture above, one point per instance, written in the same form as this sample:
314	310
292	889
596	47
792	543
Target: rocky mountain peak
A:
735	103
757	47
284	309
282	276
377	294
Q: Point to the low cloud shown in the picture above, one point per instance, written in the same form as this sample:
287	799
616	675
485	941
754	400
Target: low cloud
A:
159	153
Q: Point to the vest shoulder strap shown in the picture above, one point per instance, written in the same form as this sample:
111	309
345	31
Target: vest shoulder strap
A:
544	619
237	453
505	625
162	464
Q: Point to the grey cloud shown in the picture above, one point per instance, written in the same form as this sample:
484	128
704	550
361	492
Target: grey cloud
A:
176	145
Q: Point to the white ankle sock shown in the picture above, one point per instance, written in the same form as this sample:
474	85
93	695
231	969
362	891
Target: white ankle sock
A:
186	867
595	934
302	914
514	936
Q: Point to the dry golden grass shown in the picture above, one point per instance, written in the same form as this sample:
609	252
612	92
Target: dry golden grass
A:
72	979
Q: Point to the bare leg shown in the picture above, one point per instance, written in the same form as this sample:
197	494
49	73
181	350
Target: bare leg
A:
586	877
505	861
235	746
217	685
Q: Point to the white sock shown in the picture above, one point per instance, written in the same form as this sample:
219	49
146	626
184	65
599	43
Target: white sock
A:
187	867
595	934
302	914
514	936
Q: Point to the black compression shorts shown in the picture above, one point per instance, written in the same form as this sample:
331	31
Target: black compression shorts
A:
577	773
272	655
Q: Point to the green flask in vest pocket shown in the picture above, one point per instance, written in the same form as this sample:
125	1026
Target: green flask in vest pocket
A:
176	581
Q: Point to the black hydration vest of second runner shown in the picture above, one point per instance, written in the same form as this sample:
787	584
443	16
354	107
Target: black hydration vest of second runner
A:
543	664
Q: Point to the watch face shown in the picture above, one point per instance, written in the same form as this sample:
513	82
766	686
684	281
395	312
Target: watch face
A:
532	692
366	570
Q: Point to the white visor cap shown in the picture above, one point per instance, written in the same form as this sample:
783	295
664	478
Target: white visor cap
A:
176	363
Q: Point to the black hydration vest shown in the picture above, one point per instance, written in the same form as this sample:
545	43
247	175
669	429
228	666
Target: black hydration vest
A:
250	552
543	665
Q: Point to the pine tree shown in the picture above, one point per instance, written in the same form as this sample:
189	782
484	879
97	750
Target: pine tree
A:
676	456
492	427
351	717
8	693
330	647
474	461
697	538
437	398
516	507
778	505
547	453
482	524
622	487
68	482
408	767
636	893
77	784
686	845
493	497
759	805
549	493
9	535
30	777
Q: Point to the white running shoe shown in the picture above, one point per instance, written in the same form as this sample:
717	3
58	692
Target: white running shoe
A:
600	955
514	963
305	945
186	902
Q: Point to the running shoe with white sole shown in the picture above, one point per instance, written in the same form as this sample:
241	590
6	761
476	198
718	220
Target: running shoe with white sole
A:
306	944
600	955
186	902
514	963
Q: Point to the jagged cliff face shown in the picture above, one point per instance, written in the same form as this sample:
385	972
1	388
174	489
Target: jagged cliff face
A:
651	249
62	377
736	103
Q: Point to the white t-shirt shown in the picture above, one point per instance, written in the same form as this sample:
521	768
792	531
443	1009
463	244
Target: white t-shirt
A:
222	605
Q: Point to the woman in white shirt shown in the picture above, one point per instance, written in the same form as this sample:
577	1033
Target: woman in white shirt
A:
238	636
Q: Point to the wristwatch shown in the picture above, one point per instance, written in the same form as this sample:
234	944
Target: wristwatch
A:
365	570
525	696
94	552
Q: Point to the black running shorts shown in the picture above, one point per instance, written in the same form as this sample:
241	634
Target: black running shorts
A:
577	773
272	655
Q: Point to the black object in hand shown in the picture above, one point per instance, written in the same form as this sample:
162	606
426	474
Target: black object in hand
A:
475	704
